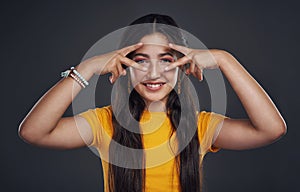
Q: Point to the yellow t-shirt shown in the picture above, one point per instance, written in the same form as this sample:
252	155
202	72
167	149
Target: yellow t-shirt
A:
161	174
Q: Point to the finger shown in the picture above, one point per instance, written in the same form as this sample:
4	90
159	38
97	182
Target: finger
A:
130	48
110	78
194	74
180	48
187	71
120	69
182	61
130	63
114	75
199	73
192	68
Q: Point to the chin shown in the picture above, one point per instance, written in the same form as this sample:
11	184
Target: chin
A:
154	97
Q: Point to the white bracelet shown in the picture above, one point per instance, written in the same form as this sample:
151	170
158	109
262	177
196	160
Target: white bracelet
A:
80	76
76	76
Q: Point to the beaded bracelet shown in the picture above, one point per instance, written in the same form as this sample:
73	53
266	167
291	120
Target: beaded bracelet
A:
76	76
77	80
80	76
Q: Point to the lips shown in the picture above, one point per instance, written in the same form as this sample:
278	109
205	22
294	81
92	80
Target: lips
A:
153	86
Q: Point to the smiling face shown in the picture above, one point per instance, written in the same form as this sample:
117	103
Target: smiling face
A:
155	84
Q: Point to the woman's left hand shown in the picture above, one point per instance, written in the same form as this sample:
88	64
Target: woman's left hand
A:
197	58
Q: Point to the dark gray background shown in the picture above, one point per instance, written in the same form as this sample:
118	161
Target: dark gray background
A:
39	39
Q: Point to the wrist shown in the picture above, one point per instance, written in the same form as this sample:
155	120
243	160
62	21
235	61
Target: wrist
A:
86	70
222	57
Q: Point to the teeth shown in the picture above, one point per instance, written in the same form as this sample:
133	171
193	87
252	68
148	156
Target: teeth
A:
153	85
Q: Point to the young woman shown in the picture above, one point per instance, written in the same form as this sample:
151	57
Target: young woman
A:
152	138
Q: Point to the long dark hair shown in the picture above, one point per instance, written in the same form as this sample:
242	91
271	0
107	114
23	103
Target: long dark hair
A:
188	161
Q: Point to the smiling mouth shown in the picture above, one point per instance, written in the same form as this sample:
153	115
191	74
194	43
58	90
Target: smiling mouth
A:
153	85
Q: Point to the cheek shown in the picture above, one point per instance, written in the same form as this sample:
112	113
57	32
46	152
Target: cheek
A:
172	77
136	76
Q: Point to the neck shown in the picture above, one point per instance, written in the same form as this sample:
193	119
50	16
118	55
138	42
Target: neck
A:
156	106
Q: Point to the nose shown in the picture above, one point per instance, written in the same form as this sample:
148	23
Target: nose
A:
154	70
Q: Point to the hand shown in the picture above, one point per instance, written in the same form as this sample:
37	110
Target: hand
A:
112	62
198	60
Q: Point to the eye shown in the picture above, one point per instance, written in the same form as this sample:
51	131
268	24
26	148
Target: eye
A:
166	60
140	61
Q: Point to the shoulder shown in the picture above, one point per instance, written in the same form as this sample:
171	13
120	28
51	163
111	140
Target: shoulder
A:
207	123
102	115
105	112
205	117
209	119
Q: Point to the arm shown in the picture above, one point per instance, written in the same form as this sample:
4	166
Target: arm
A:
265	124
44	125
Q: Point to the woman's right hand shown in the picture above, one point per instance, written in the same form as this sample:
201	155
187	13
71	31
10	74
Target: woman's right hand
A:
112	62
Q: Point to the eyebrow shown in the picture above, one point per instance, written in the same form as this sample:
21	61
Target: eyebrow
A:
147	56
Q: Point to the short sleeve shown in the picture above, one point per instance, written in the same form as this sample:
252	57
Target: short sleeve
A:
98	119
208	124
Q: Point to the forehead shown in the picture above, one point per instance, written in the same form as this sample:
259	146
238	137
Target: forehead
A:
155	43
156	39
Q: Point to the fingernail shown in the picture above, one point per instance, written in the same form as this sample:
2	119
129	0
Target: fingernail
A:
170	44
144	68
110	79
140	43
167	68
